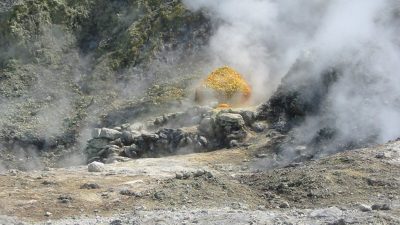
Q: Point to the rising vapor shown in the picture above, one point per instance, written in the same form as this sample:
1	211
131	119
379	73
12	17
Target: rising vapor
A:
268	40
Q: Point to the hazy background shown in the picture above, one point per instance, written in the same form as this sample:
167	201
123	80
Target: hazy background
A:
263	39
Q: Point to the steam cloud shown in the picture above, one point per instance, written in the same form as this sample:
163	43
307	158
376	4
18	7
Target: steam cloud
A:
265	38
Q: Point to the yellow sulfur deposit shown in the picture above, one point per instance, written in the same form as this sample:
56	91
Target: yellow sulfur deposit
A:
228	87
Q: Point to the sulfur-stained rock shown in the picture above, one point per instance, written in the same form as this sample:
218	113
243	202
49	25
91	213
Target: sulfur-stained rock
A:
226	86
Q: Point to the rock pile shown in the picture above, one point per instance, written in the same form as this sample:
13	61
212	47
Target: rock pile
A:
198	129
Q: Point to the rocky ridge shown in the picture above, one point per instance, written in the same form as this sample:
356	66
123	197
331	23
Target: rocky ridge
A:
198	129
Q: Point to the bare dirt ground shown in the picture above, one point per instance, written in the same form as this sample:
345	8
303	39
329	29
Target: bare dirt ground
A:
218	187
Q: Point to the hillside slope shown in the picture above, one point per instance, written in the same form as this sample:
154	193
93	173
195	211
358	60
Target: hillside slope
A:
66	64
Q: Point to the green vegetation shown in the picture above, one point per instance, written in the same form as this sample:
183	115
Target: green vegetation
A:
80	55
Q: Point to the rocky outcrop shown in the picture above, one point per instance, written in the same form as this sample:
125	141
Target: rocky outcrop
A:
198	129
65	64
229	127
302	93
305	108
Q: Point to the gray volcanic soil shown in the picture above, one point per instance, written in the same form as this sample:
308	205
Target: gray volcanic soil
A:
354	187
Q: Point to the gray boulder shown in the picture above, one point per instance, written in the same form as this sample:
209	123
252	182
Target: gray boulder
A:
230	119
110	134
248	116
96	167
96	148
332	213
230	126
98	143
206	127
147	136
364	208
203	141
129	138
117	142
136	127
113	149
131	151
228	123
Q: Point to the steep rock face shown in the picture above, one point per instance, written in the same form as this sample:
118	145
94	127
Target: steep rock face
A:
65	63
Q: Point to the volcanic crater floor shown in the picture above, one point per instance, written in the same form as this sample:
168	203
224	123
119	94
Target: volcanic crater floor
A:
225	186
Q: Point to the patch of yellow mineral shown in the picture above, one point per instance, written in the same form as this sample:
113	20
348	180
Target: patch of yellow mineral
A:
227	86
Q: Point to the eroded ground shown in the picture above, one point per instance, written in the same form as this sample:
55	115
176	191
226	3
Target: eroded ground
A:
222	187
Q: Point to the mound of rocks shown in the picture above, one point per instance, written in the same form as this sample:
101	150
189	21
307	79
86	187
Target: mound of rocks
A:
296	99
199	129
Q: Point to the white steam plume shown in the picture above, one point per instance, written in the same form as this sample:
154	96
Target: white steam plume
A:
264	38
261	39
